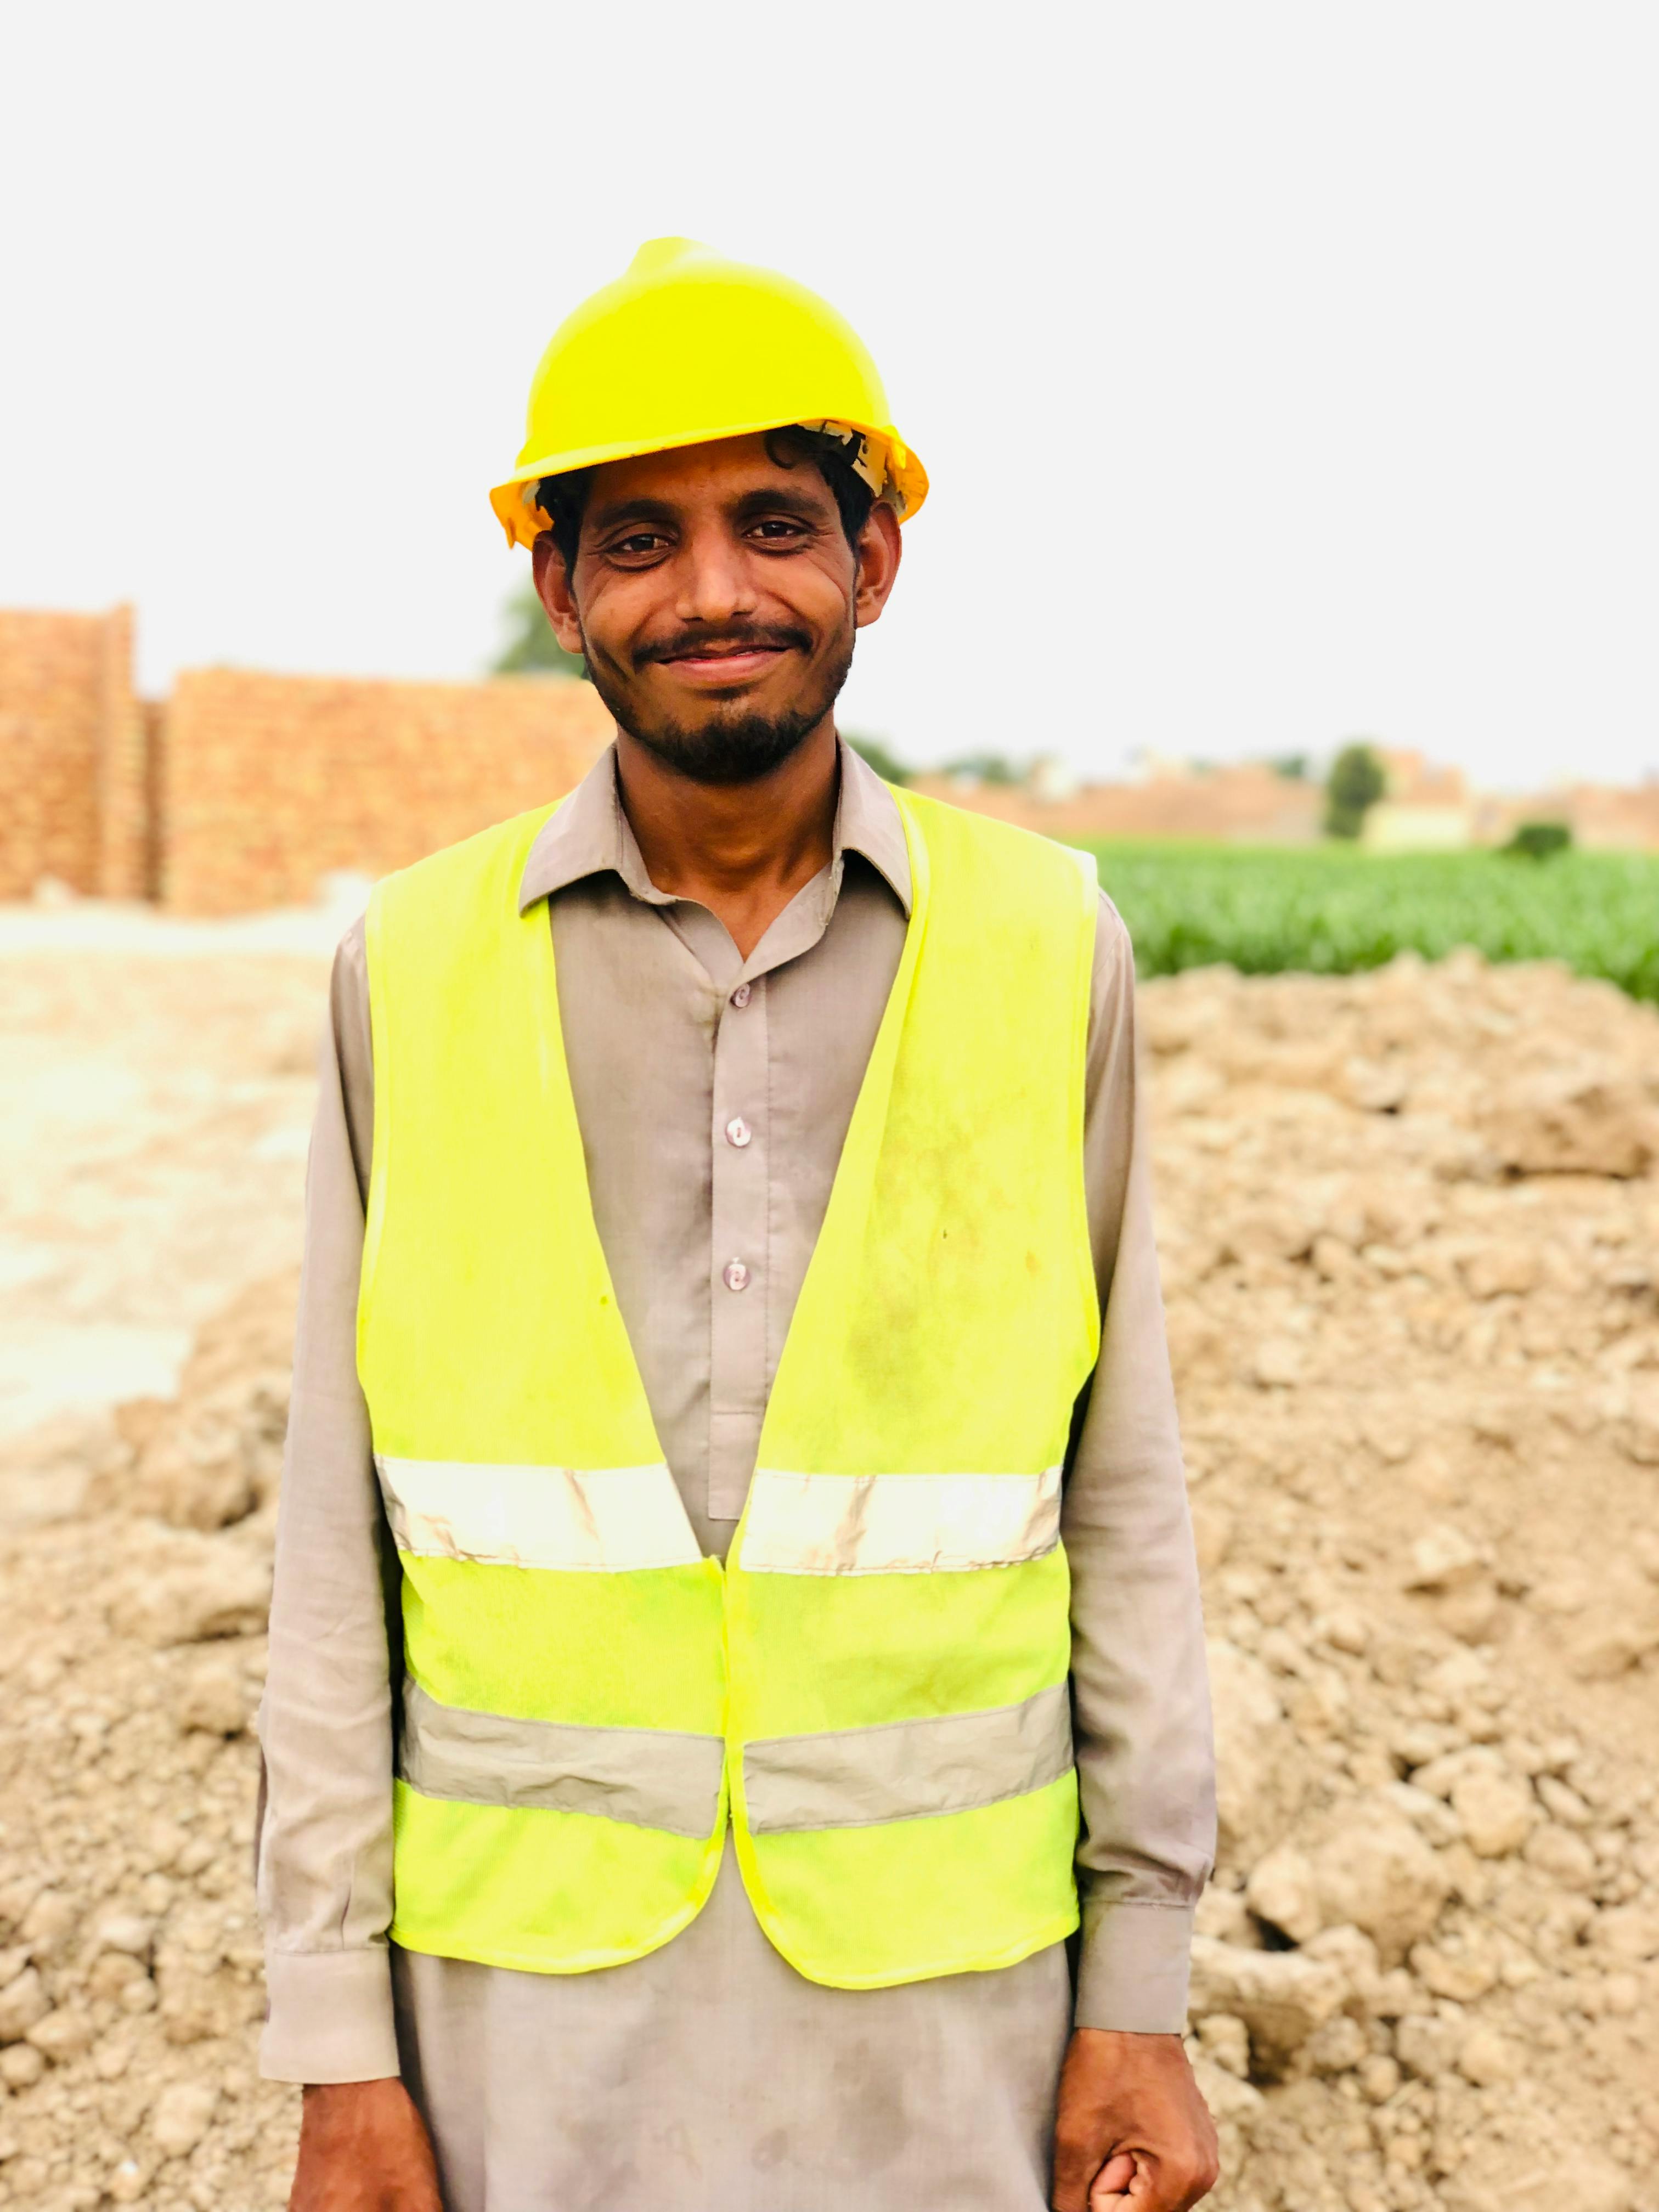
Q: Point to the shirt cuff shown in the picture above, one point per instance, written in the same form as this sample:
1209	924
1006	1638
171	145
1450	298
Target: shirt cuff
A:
329	2017
1133	1968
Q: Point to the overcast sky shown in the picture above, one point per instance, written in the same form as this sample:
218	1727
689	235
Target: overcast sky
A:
1284	373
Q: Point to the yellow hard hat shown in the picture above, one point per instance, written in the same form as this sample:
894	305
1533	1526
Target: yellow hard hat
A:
686	346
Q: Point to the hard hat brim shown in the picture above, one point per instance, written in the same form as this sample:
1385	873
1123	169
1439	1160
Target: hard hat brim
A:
523	524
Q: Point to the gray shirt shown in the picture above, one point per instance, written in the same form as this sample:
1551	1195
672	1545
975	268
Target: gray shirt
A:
709	2071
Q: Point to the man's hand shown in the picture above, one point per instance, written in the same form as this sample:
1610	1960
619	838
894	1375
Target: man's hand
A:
363	2148
1132	2130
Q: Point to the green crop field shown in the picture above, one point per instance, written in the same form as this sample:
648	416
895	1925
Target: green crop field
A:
1332	909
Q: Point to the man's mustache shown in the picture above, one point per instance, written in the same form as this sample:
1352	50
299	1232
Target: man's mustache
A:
694	642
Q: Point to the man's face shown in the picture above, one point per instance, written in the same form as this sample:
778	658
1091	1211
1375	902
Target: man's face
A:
715	598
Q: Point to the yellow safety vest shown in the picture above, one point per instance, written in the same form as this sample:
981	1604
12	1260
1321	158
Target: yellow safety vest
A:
876	1685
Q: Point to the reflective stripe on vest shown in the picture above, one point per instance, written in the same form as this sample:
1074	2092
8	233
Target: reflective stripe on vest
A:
875	1689
606	1520
651	1777
897	1524
907	1770
615	1519
654	1778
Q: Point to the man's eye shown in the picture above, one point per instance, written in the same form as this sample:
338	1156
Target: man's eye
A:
641	542
775	527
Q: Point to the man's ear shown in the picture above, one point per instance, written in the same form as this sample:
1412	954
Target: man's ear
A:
879	550
552	583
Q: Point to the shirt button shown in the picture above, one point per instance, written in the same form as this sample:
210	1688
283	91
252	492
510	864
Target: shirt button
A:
741	996
738	1131
735	1275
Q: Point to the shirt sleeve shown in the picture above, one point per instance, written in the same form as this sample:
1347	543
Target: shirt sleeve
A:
1140	1688
324	1846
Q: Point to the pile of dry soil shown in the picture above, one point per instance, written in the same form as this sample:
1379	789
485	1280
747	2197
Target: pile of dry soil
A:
1412	1233
131	1654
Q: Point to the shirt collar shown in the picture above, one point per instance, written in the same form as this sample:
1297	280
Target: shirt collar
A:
590	834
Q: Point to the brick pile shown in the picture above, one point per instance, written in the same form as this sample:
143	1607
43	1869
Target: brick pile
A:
244	790
269	782
72	755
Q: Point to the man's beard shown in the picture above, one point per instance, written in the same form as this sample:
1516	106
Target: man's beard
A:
731	747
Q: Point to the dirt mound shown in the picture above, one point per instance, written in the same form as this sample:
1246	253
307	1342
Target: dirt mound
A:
1410	1223
131	1655
1412	1233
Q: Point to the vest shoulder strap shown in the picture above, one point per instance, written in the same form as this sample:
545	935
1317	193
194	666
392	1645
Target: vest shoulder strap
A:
451	887
1008	862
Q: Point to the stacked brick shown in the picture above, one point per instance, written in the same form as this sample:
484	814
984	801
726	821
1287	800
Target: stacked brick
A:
244	790
125	734
270	782
71	731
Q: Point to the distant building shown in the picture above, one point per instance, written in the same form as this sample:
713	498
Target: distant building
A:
1424	807
1248	804
1392	826
1611	819
1051	780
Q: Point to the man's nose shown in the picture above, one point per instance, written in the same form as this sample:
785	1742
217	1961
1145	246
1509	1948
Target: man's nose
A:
715	585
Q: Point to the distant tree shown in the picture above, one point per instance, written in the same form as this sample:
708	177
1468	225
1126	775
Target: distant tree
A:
530	647
881	757
1293	767
1353	787
1536	841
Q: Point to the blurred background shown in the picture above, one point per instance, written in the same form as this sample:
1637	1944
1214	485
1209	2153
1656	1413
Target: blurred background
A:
1285	376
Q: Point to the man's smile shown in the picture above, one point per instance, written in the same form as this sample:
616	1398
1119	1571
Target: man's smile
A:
732	663
718	660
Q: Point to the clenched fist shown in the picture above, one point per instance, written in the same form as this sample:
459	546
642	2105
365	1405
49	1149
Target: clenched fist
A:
1132	2130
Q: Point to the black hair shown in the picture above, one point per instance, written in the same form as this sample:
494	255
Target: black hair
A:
564	499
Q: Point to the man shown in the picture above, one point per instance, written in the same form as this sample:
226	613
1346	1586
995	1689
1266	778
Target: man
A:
751	1378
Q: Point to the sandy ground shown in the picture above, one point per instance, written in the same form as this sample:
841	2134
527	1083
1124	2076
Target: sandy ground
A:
154	1104
1411	1234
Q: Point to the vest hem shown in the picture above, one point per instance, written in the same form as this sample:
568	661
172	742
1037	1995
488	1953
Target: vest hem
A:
1040	1939
484	1954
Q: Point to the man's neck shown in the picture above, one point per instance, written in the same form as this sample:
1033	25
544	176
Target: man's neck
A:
742	850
